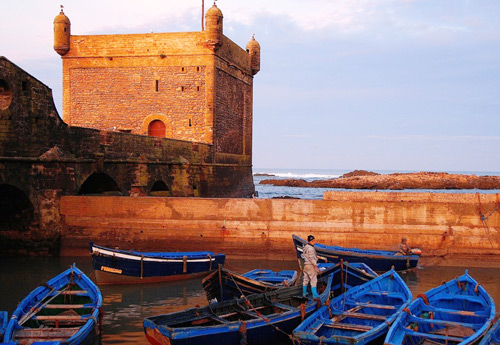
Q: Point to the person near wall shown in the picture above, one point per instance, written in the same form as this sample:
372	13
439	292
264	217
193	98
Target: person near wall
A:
404	248
310	267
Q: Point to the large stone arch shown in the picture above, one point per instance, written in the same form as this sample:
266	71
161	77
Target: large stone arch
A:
157	117
17	212
99	183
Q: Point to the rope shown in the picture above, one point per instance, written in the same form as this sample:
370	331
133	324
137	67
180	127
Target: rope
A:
495	209
247	302
345	284
142	266
424	298
484	218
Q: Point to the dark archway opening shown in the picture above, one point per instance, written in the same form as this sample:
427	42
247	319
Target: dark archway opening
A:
16	210
160	188
5	95
99	183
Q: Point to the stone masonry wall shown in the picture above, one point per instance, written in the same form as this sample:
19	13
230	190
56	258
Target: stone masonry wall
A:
129	99
447	227
43	159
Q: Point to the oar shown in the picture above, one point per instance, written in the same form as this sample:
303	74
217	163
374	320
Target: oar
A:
37	308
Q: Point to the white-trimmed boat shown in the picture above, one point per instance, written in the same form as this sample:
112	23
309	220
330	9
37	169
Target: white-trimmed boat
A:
115	266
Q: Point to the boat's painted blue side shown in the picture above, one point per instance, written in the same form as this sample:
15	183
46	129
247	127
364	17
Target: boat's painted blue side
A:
378	260
460	304
258	318
4	319
42	307
493	335
361	315
115	265
224	284
227	322
285	277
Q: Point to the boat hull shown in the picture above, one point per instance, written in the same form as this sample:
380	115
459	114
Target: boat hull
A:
223	284
493	335
361	315
378	260
458	312
114	266
66	309
264	318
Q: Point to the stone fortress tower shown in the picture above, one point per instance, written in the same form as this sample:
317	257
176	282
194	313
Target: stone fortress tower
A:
190	86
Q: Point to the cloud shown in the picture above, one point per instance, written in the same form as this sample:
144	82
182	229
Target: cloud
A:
447	138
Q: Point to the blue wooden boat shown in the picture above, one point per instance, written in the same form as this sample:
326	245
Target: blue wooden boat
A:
492	337
264	318
66	309
115	266
224	284
457	312
362	315
378	260
284	277
4	318
359	265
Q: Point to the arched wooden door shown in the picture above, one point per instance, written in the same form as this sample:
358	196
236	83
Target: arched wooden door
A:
156	129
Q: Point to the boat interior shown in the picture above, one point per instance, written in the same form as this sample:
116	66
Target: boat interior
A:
356	317
57	317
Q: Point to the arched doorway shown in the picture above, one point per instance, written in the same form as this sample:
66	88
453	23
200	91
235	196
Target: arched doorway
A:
156	128
99	183
16	209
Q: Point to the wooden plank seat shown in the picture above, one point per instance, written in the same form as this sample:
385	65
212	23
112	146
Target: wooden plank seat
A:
364	316
433	336
444	322
350	327
477	299
45	334
68	306
284	307
387	293
60	317
70	292
479	313
377	306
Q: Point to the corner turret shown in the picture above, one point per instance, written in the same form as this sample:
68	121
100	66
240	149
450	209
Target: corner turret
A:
253	49
213	19
62	33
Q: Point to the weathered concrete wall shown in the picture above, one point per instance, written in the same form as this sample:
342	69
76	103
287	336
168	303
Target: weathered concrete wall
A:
446	227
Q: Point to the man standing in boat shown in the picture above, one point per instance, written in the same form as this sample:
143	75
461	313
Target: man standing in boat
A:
310	267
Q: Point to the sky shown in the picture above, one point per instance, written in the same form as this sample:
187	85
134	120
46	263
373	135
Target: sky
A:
401	85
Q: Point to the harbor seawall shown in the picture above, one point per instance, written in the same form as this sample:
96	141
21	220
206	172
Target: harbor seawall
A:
447	227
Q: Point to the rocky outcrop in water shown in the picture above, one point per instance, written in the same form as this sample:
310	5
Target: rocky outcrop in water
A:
396	181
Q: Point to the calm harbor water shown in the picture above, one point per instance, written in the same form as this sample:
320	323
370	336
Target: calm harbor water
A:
125	306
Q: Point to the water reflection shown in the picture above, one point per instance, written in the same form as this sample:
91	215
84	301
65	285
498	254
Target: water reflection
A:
125	306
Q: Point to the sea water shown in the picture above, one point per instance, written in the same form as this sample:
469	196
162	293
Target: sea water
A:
267	191
125	306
